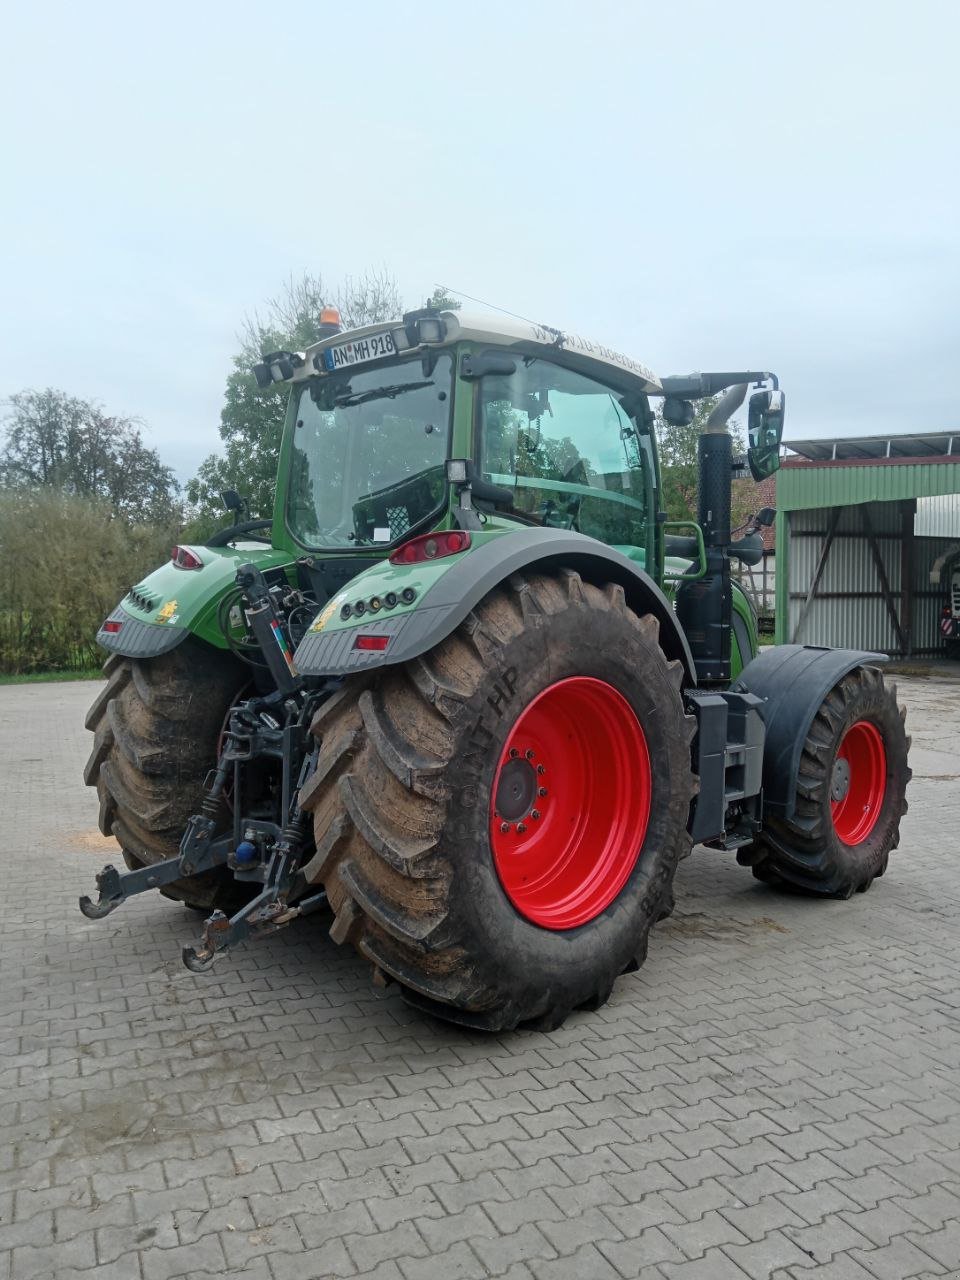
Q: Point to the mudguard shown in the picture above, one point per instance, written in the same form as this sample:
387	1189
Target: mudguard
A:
329	647
171	603
792	681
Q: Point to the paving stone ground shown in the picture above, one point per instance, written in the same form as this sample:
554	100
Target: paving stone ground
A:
775	1094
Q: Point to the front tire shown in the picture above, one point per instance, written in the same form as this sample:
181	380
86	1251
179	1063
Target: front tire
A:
851	794
425	788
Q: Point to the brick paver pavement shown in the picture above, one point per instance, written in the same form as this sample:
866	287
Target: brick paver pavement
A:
776	1093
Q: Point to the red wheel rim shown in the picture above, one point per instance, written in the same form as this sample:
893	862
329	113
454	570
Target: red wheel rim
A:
859	782
570	803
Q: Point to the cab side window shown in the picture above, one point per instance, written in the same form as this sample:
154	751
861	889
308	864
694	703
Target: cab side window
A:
569	450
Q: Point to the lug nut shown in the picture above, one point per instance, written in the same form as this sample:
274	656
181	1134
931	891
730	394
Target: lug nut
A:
514	753
541	769
504	827
541	791
528	753
534	813
521	828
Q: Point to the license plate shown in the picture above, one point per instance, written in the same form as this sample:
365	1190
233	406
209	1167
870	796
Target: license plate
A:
359	351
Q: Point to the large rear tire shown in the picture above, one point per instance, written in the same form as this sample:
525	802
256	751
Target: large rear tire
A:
851	794
156	726
554	697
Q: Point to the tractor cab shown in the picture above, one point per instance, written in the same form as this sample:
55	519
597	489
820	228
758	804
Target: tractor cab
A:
451	420
552	429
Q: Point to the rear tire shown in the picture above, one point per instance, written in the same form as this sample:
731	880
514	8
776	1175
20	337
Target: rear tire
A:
851	795
156	725
406	785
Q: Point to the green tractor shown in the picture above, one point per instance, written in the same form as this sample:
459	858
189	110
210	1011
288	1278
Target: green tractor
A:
468	691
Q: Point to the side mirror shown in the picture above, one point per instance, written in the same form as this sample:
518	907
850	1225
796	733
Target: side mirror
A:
764	431
232	501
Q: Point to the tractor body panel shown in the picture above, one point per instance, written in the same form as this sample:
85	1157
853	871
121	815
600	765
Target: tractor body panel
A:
446	590
171	603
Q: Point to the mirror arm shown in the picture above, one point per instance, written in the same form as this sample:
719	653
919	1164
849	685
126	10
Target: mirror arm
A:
697	386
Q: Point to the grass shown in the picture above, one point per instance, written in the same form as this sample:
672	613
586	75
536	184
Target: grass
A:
44	677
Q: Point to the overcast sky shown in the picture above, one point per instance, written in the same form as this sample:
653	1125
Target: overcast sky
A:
702	186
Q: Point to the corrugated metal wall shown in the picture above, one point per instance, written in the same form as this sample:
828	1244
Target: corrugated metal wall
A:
848	609
938	517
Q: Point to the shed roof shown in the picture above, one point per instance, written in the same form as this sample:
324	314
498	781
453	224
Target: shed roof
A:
928	444
804	485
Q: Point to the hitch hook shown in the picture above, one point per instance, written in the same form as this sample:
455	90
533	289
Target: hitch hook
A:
97	910
198	961
110	894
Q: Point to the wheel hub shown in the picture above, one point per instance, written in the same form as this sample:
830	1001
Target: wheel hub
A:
840	780
516	790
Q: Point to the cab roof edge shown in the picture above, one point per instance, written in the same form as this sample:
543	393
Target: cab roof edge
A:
428	327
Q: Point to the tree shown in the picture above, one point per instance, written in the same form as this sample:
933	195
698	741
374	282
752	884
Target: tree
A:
679	471
54	441
251	422
443	300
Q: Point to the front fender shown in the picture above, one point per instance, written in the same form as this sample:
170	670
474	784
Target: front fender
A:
170	604
792	680
446	591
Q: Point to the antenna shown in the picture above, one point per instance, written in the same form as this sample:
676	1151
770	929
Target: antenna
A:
457	293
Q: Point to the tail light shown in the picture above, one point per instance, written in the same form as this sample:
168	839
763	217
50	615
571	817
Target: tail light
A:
431	546
373	644
111	626
184	558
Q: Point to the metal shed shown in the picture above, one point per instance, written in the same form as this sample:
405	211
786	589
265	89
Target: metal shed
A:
865	529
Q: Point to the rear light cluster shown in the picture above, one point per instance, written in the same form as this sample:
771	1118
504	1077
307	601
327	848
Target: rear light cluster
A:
431	546
184	558
389	600
111	626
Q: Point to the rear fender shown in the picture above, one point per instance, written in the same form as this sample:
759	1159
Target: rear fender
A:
170	604
448	589
792	681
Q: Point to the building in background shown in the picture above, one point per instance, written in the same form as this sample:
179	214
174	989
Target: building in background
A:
868	536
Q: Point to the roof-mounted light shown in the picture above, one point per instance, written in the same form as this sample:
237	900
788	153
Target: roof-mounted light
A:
431	329
423	326
277	366
330	322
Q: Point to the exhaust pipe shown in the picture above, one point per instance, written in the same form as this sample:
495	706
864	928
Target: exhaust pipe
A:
725	408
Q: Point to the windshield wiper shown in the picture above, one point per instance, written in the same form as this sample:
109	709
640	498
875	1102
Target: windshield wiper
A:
378	393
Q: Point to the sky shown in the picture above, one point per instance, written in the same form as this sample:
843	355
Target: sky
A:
701	186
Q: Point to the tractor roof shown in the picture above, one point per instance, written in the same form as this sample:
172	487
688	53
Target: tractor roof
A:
491	330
